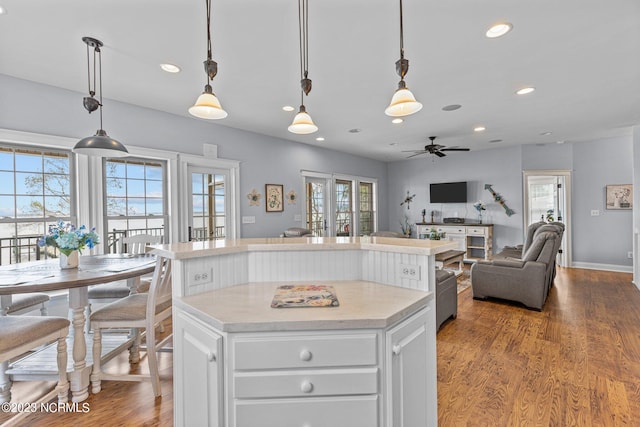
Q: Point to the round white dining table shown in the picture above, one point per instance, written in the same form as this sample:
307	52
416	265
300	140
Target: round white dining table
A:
46	275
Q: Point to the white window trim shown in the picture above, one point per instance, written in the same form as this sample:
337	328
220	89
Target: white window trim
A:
89	177
233	166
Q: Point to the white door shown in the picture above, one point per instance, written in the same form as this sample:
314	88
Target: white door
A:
208	204
548	198
317	210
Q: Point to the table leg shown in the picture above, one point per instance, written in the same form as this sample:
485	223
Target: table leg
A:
79	377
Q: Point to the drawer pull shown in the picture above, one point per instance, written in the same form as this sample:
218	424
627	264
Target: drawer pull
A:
396	349
305	355
211	357
306	387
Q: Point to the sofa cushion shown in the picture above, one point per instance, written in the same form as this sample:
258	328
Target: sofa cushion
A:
541	247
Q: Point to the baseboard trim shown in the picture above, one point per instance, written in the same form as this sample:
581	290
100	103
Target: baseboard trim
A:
606	267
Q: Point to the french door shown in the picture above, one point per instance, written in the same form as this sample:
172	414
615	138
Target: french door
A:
547	197
318	202
208	203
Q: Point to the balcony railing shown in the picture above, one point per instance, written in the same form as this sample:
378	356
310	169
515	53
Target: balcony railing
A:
25	248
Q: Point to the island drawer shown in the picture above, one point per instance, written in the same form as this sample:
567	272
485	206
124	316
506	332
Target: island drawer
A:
295	351
360	411
324	382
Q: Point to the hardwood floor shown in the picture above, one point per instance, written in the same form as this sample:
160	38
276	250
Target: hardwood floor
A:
576	363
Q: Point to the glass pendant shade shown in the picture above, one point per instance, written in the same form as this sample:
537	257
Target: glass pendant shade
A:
101	145
402	104
302	123
207	106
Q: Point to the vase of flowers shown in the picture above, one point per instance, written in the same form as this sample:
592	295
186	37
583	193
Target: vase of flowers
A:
480	206
70	241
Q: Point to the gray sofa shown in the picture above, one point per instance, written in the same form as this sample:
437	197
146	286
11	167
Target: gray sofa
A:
526	279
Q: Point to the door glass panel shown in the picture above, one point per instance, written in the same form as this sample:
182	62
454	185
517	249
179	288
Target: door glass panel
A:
344	203
316	195
208	207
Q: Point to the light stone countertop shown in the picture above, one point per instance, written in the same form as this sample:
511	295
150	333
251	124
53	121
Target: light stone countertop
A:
247	307
186	250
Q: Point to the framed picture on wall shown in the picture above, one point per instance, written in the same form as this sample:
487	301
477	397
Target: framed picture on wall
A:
619	196
274	197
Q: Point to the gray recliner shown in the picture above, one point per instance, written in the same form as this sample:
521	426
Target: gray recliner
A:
525	280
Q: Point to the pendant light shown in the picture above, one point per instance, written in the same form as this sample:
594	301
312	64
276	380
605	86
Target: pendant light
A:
302	123
403	102
207	105
99	144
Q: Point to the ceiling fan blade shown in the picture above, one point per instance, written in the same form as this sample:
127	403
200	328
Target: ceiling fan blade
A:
417	154
455	149
439	154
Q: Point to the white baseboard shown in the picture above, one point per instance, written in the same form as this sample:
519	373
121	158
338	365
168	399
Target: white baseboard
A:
606	267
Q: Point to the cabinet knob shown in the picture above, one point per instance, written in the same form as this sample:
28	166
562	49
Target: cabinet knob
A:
305	355
396	349
306	387
211	357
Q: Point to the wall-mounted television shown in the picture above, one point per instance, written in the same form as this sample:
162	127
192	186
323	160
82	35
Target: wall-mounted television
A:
448	192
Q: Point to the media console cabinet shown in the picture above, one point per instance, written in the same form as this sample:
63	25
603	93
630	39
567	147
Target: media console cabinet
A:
476	240
371	361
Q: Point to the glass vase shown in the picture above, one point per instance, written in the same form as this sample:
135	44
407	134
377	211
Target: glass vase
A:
69	261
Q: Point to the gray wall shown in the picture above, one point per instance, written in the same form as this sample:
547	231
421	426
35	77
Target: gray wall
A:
31	107
598	241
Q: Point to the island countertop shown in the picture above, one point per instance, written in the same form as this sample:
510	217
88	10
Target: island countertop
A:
186	250
247	307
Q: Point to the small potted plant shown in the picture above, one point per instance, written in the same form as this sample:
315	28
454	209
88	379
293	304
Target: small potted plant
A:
69	240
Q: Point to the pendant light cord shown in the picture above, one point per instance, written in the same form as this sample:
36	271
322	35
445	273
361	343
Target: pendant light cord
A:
303	29
401	34
99	52
208	35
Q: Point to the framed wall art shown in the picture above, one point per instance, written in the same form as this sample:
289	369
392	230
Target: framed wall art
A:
274	197
619	196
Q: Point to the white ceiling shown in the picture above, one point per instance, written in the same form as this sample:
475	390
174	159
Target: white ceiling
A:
583	57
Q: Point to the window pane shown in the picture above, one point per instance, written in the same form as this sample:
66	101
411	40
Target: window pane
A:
6	159
135	171
56	185
116	206
6	178
116	187
6	207
115	169
154	172
197	186
29	183
57	206
135	206
29	162
135	188
30	206
154	206
56	165
154	189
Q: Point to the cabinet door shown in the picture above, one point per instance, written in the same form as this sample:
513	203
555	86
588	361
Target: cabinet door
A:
411	391
197	373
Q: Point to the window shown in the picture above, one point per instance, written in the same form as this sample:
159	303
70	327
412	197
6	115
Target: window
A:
208	212
366	208
344	208
35	193
135	199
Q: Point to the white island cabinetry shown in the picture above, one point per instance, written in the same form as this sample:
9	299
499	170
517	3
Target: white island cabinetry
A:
370	362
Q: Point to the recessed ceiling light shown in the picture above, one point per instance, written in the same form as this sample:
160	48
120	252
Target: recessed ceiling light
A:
479	128
288	108
547	133
493	141
397	120
499	30
355	130
451	107
525	90
3	11
320	139
170	68
560	142
393	144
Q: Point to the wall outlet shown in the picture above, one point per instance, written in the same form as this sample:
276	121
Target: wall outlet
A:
595	212
630	255
201	277
410	271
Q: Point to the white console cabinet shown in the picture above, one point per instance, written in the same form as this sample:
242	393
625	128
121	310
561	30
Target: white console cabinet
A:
475	239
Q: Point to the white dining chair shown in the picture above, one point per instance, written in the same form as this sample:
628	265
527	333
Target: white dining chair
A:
24	303
137	311
110	292
20	334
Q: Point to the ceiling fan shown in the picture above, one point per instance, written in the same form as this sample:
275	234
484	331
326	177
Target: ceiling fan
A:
433	148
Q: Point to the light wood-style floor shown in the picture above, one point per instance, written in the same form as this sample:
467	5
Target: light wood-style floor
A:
576	363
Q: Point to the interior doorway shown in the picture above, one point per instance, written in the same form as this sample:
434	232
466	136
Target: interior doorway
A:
547	197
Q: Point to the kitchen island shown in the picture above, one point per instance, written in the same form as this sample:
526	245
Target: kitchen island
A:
370	361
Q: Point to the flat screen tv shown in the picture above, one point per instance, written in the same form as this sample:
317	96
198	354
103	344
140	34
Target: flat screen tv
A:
448	192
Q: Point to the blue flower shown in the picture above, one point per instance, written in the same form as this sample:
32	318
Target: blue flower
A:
67	238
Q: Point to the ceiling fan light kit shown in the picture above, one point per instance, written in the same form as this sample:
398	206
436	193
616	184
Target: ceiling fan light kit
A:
207	105
100	144
403	103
